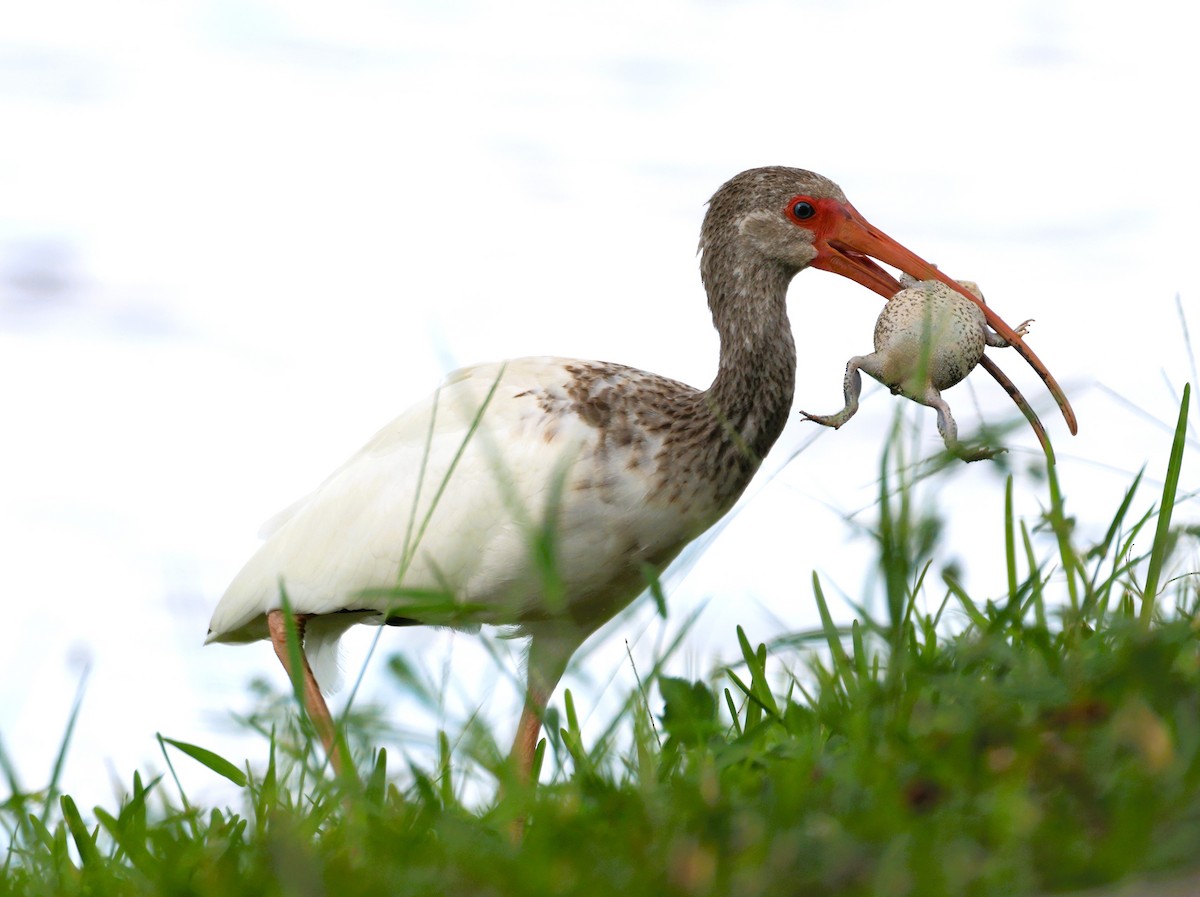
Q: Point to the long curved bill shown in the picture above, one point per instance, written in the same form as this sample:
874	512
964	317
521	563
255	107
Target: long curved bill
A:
848	248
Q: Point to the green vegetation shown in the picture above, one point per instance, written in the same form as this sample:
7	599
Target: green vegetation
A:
1049	742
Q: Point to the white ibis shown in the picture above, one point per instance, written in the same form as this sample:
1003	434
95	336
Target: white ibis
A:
536	493
927	339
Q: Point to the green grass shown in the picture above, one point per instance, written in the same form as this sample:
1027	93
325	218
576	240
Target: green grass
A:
1042	740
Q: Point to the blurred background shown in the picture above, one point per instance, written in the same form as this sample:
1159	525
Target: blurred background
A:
238	236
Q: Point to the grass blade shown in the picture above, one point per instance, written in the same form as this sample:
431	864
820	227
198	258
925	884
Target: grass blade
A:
1010	545
60	759
1062	531
213	761
85	841
1158	553
832	637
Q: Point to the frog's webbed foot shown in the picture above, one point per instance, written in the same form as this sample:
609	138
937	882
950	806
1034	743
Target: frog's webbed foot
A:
830	420
983	453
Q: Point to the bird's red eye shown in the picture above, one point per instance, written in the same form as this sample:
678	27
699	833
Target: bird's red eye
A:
802	209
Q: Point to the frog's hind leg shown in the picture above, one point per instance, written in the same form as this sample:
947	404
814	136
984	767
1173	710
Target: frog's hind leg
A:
949	429
851	388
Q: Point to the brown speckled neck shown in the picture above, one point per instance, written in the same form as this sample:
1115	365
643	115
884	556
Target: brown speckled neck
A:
751	396
747	278
756	377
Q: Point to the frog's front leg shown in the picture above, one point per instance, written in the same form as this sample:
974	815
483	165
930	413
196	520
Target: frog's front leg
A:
851	388
992	338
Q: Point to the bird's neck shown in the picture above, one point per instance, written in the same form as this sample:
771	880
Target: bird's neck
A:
752	394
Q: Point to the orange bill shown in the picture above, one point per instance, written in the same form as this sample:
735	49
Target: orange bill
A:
849	248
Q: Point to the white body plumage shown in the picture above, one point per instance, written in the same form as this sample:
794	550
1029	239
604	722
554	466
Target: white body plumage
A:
492	501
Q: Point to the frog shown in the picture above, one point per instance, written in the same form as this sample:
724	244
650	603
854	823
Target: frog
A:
928	338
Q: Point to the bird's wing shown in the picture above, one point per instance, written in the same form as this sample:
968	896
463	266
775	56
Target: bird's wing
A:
444	494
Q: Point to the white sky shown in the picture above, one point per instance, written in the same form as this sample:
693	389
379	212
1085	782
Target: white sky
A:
236	238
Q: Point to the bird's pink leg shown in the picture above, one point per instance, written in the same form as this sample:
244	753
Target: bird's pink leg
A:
528	729
524	748
314	701
549	651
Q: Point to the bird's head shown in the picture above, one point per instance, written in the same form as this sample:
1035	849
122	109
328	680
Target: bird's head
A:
795	219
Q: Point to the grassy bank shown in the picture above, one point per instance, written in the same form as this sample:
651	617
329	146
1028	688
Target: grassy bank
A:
1050	742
